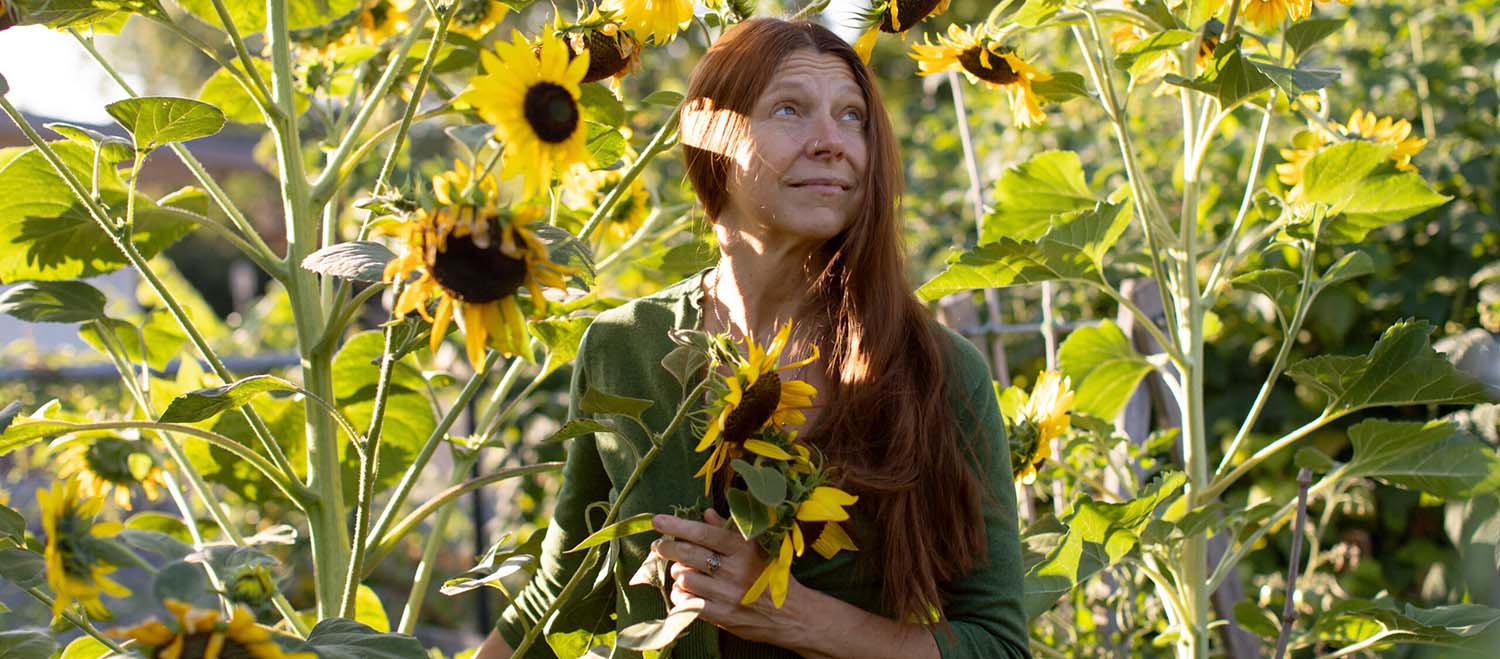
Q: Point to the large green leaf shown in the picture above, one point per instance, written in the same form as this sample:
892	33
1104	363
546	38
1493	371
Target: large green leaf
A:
561	337
249	16
1099	535
340	638
1103	366
1280	286
99	15
47	234
1073	249
157	120
369	610
1297	81
640	523
1401	369
1363	189
206	403
1467	628
1305	34
1230	77
53	302
1030	194
408	413
85	647
285	417
26	644
597	402
1140	55
22	567
1435	457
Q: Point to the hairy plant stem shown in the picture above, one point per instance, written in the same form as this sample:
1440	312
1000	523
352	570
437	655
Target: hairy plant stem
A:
584	568
412	611
81	622
1225	263
1222	483
661	141
261	93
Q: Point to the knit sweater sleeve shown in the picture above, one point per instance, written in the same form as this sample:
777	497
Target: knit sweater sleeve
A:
584	481
985	608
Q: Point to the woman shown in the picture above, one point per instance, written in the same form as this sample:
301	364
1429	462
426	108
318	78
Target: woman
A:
792	155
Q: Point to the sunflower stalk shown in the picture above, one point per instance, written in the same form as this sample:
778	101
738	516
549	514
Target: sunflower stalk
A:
435	537
81	622
660	142
261	93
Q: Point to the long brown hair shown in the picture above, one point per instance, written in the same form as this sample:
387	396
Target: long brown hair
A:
888	426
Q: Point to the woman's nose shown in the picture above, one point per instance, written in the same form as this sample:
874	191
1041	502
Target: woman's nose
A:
826	140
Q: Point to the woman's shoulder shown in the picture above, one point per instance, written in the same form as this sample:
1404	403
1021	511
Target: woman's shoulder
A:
967	364
650	317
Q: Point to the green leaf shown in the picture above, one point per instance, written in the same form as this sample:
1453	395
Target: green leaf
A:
341	638
249	16
368	610
1103	366
657	634
47	234
28	432
23	567
180	581
53	302
752	518
158	120
112	149
286	420
26	644
408	412
1362	186
1231	77
1314	459
1352	265
1280	286
1141	54
1029	195
223	90
605	144
85	647
1434	457
766	484
561	337
1458	626
162	337
578	428
359	260
1062	86
663	97
1099	535
1256	619
1306	33
12	524
684	363
158	523
598	402
1035	12
206	403
640	523
1300	80
1401	369
98	15
601	106
156	542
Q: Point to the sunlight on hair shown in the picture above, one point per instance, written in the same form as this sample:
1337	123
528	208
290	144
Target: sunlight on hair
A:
716	130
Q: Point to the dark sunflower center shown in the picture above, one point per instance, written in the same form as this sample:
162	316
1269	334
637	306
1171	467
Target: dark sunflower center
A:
909	11
998	72
475	274
195	646
471	12
756	407
606	56
110	460
551	112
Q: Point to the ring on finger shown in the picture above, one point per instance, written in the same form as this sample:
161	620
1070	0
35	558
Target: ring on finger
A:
714	561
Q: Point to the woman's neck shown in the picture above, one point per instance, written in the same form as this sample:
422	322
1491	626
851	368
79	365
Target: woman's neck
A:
756	290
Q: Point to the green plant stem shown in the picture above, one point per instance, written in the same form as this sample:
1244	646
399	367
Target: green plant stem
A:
369	465
1229	25
263	93
364	149
82	623
1305	293
263	260
1236	554
412	611
258	95
1146	321
389	540
661	141
343	312
494	415
1171	599
323	188
100	216
1225	263
414	470
1222	483
657	441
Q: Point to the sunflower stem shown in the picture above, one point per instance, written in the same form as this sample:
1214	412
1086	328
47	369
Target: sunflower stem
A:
261	93
412	611
660	142
81	622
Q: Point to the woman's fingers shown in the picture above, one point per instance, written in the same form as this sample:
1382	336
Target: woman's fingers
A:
719	539
687	554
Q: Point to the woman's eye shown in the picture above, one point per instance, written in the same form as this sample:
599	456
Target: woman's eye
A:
784	110
854	115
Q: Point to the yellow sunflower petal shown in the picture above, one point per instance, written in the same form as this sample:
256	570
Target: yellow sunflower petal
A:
767	449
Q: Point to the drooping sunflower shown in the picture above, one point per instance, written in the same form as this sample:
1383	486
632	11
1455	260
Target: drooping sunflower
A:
75	570
895	17
613	53
203	634
107	467
1042	418
822	510
533	102
474	260
1362	125
982	60
475	18
658	20
754	395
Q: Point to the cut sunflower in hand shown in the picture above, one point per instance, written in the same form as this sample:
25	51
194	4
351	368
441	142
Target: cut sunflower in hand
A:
532	98
820	510
107	467
895	17
983	60
1362	125
751	396
204	634
474	260
1042	418
658	20
76	568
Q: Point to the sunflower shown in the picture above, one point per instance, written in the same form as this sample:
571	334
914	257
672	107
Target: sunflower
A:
75	570
202	634
586	191
107	467
980	59
822	510
1361	126
613	53
1041	419
475	18
382	19
533	102
473	260
894	17
660	20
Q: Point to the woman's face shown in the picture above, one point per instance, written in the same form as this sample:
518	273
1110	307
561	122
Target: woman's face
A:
801	169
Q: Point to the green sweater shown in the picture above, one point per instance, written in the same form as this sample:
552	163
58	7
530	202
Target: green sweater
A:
621	354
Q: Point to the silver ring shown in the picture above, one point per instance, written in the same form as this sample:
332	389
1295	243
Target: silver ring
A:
714	561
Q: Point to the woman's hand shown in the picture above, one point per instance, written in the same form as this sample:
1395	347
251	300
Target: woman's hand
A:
691	546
